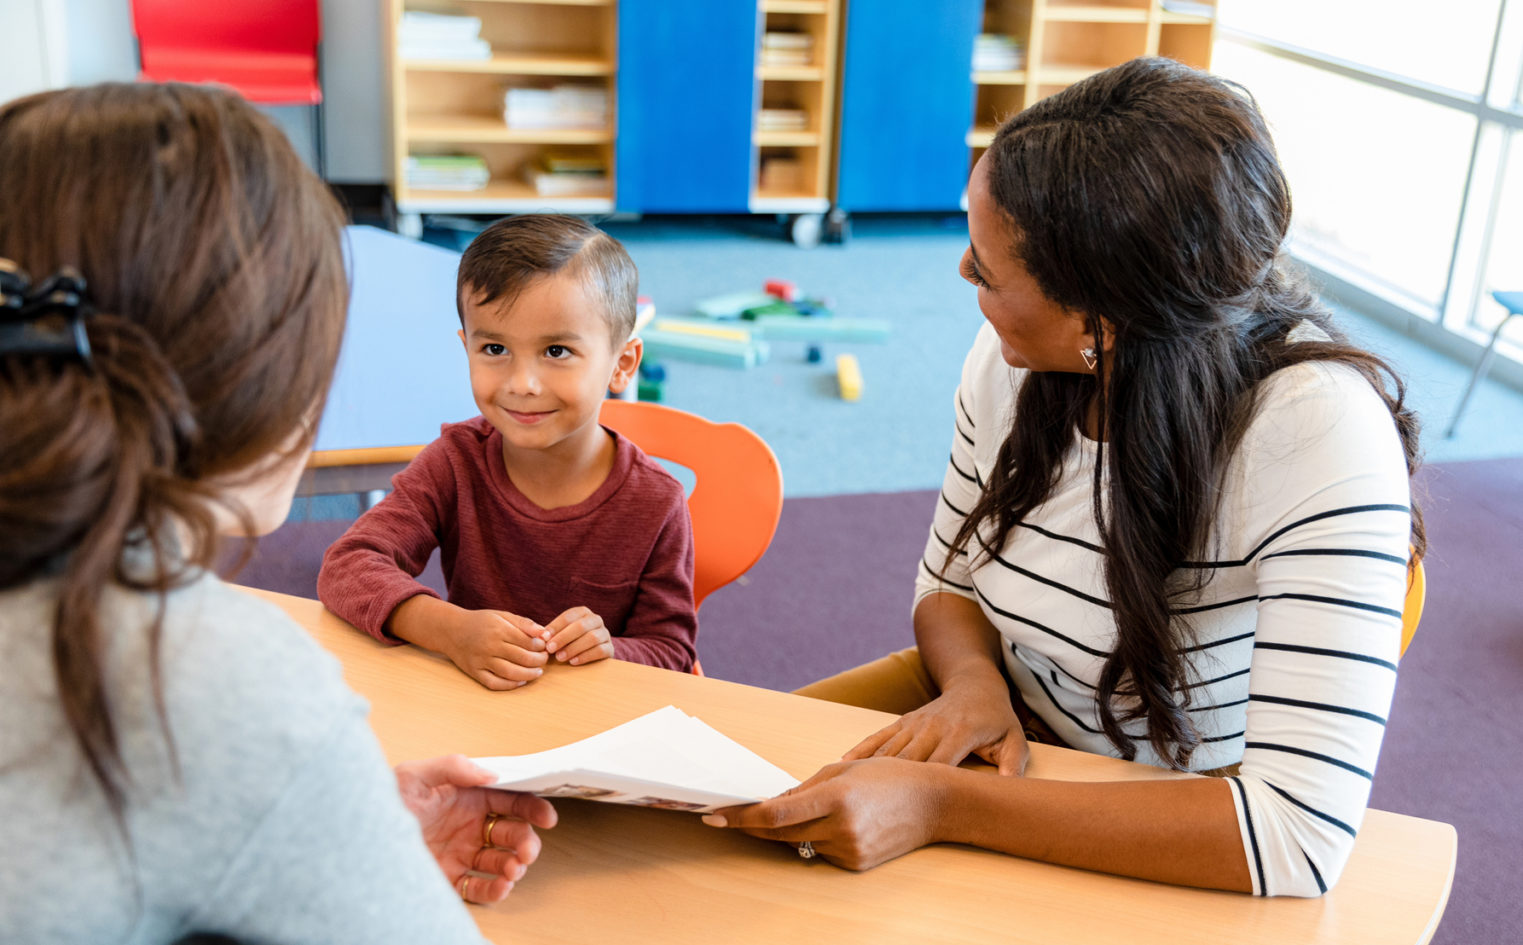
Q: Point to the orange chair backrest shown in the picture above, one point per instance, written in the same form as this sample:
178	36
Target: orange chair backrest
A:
738	496
1412	610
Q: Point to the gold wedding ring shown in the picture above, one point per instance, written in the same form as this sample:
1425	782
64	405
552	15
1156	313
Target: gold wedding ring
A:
486	829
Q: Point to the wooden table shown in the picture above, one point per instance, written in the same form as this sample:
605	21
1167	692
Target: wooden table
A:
619	874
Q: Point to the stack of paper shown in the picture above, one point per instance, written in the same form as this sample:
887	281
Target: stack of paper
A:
441	36
787	49
447	171
781	119
666	759
568	175
1190	8
994	52
564	106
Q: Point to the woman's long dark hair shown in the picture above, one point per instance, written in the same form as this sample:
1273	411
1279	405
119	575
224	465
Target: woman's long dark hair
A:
1149	198
213	259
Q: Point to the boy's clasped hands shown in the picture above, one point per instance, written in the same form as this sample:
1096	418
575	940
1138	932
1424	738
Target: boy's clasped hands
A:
503	650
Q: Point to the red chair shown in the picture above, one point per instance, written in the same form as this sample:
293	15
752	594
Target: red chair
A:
266	50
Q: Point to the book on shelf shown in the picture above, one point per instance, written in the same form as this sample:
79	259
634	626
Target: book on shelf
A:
787	49
424	35
996	52
555	174
782	119
1190	8
561	106
446	171
664	759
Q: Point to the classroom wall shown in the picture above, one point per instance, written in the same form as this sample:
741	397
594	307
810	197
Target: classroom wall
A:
33	41
99	47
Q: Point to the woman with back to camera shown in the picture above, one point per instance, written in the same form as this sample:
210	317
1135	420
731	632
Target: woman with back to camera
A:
177	756
1175	525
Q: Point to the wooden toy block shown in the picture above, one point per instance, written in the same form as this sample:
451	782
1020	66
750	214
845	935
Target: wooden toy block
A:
706	329
791	328
849	376
730	306
782	288
685	346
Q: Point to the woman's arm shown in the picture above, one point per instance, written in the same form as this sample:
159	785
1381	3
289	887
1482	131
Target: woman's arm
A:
859	814
973	714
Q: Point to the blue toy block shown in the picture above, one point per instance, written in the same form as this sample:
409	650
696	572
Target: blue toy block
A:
792	328
703	348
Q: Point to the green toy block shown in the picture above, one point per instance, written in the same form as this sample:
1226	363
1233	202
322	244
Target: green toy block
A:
732	305
773	308
649	391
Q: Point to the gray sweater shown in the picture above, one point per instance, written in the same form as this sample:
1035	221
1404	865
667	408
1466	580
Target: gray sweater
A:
283	824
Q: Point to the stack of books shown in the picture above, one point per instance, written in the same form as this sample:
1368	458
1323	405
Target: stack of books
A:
787	49
782	119
995	52
447	172
441	36
564	106
1190	8
568	175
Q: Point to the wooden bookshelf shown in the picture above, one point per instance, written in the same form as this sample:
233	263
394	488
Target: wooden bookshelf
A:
792	167
507	64
450	106
1065	42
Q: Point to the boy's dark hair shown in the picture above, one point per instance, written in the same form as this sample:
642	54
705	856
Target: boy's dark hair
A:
514	251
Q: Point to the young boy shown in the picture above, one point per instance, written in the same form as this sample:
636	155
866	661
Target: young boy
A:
560	540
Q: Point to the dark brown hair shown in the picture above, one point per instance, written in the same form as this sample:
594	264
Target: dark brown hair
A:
511	253
213	259
1149	198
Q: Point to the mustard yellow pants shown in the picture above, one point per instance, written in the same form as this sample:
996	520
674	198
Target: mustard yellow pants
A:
900	683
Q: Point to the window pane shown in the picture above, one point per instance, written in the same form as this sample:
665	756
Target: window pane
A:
1446	44
1377	177
1504	264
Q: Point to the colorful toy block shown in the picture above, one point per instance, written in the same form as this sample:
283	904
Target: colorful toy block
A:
732	305
686	346
793	328
849	376
782	289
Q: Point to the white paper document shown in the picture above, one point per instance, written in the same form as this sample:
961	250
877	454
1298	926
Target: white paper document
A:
665	759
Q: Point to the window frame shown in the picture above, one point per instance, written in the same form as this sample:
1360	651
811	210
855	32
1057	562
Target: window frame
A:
1452	325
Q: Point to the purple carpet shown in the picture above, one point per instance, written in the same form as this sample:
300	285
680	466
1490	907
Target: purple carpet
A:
834	591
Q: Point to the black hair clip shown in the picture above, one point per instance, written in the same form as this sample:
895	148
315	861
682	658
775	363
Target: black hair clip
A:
47	320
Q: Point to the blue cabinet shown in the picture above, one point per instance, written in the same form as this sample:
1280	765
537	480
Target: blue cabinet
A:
907	99
686	97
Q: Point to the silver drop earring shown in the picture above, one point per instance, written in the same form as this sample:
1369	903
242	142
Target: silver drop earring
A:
1088	354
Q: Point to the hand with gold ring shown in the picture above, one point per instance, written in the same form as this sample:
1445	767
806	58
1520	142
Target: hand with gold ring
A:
482	839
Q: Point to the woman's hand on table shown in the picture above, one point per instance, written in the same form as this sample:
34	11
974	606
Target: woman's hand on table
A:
483	839
856	814
966	719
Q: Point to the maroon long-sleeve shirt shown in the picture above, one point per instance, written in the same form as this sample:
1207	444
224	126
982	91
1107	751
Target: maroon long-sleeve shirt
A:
625	553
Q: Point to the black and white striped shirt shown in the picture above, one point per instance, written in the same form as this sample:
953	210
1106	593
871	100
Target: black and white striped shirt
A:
1296	633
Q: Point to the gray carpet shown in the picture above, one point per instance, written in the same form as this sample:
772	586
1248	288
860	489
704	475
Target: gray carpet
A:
834	591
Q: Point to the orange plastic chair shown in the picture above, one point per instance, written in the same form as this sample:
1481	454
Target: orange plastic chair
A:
738	497
1412	610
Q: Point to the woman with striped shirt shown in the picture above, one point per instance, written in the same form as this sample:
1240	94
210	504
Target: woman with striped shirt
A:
1174	527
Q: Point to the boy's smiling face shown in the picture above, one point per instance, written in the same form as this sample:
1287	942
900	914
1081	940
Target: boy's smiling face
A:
542	363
